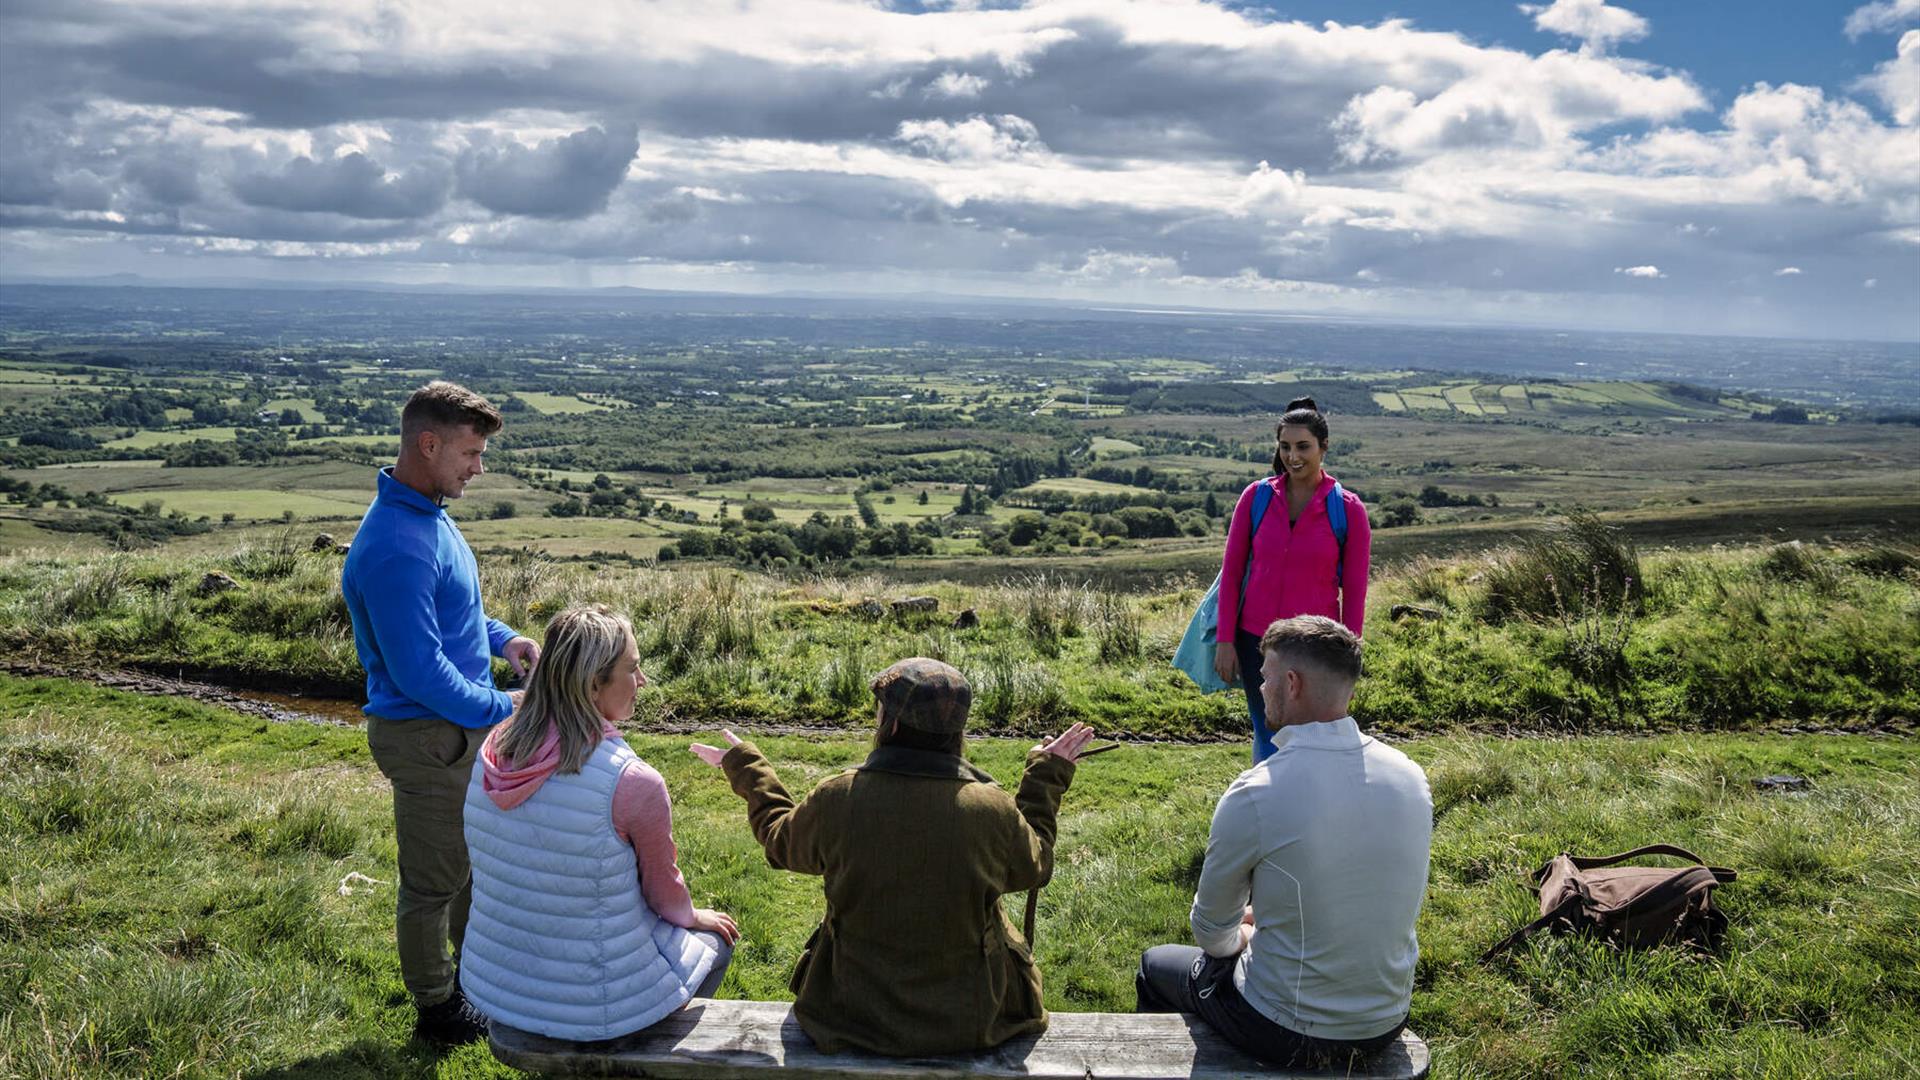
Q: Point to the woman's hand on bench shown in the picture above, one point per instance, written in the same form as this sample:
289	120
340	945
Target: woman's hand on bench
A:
712	754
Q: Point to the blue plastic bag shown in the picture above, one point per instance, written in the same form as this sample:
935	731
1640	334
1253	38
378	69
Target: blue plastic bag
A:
1195	654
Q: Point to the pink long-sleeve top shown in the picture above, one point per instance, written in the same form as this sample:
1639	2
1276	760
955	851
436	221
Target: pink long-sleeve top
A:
1293	565
642	816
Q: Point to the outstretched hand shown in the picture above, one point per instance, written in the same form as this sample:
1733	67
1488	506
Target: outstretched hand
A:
1068	743
712	754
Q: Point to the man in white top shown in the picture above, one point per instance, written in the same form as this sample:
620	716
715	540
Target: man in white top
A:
1328	840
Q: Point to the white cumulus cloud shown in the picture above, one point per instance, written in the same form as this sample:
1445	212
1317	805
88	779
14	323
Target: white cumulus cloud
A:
957	84
1786	271
977	138
1597	24
1639	271
1897	82
1882	17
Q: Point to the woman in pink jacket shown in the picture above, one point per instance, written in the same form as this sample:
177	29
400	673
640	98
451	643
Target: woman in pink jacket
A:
1293	565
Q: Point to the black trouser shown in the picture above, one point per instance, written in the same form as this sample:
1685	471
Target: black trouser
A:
1247	647
1181	978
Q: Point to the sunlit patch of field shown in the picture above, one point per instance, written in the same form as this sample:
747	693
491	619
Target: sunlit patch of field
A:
308	414
148	440
557	404
1080	485
1461	398
1106	445
1389	400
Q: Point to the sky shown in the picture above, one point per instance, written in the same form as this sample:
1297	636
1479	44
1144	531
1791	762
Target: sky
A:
1682	165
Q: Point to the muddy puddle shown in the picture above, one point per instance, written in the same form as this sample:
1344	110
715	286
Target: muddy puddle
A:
283	708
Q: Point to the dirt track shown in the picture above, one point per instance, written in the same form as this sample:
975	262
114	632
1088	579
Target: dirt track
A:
283	708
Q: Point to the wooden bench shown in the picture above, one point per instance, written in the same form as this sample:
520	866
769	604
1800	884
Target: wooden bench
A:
713	1038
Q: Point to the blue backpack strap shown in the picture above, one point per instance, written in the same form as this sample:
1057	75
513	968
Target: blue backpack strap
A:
1262	496
1337	517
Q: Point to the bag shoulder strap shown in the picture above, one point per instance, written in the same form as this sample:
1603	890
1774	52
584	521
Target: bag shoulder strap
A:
1565	908
1582	863
1337	517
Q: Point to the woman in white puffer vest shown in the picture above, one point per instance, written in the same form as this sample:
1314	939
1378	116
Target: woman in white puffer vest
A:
582	927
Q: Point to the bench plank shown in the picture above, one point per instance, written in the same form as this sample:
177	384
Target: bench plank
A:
713	1038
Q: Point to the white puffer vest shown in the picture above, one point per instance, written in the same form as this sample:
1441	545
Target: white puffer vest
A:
560	940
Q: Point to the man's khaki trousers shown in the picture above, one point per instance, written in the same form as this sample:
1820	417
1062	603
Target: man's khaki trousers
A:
429	762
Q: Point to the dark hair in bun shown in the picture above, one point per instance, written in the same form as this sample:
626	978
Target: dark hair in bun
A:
1301	412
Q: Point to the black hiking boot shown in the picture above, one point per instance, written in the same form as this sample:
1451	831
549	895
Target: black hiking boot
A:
453	1022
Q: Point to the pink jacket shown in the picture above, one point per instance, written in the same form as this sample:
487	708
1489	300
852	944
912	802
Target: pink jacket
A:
1293	567
641	816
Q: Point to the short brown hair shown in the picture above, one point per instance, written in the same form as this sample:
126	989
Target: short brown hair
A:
1317	640
440	405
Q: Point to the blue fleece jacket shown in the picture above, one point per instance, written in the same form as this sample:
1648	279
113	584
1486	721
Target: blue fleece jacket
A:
413	590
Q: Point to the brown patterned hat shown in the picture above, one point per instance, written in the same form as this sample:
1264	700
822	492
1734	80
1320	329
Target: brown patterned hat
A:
925	695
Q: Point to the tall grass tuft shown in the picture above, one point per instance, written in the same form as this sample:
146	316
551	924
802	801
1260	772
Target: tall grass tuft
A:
1052	611
1795	561
1887	560
1580	564
846	678
516	585
94	589
1022	698
1596	632
277	558
1116	629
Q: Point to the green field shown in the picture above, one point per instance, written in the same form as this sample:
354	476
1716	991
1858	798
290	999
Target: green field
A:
148	440
308	414
558	404
1077	485
175	906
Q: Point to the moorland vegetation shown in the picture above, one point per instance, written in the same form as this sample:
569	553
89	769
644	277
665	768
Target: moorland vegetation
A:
1575	630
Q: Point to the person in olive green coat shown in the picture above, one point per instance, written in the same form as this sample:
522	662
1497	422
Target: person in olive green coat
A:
917	846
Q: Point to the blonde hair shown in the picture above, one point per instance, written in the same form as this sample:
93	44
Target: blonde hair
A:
583	645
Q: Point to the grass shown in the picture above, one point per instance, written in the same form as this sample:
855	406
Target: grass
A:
170	896
1734	639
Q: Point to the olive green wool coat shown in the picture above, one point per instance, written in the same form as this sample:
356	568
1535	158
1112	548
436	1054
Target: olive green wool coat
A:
915	955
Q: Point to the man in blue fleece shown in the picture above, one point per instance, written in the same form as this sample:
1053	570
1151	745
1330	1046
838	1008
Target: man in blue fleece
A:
413	589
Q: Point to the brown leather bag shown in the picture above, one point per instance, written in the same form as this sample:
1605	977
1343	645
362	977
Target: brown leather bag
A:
1631	906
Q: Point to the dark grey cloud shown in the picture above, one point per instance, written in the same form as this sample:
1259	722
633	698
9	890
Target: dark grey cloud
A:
353	185
172	181
568	177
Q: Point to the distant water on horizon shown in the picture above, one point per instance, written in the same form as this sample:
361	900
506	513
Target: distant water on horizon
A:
1868	374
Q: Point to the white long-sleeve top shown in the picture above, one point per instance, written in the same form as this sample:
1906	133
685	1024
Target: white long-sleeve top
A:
1329	838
